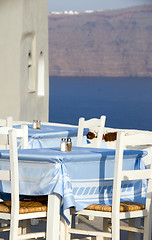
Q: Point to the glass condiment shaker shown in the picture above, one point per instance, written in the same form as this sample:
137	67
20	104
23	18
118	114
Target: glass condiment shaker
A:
69	144
63	145
38	124
34	124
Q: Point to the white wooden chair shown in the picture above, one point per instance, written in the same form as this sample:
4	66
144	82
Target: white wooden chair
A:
16	210
22	135
92	124
8	122
129	210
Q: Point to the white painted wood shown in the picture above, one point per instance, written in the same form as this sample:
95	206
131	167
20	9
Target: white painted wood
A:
21	134
2	122
138	174
92	124
24	138
14	186
5	175
32	215
62	230
132	229
8	122
3	138
53	217
123	215
91	218
5	216
124	140
31	236
95	213
90	233
98	238
136	139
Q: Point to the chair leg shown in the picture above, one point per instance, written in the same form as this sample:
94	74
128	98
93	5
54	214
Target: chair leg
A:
67	234
62	228
147	228
67	227
53	217
75	220
14	228
116	228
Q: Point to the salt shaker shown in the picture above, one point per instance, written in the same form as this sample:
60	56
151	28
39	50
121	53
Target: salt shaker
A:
63	145
69	144
34	124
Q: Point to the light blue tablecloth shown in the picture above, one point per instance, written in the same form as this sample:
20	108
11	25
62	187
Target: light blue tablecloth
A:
81	177
50	136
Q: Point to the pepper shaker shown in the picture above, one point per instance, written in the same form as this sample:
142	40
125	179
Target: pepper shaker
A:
69	144
38	124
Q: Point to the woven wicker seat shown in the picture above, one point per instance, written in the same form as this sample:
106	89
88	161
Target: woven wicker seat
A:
124	207
25	207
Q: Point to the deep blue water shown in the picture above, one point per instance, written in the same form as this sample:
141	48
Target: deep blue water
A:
127	102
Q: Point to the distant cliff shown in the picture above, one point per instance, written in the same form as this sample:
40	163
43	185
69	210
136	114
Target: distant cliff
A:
105	43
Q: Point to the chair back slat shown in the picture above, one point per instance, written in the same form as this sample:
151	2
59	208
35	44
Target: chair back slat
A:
21	134
3	122
12	173
92	124
4	140
137	139
136	174
8	122
14	169
5	175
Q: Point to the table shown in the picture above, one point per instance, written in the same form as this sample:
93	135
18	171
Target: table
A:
76	178
50	136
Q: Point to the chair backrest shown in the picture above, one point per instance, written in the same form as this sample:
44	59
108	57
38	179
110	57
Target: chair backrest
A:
121	175
8	122
21	133
11	175
92	124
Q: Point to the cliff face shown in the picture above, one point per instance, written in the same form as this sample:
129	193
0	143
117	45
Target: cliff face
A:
107	43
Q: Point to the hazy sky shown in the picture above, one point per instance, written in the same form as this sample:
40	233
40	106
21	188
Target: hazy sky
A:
82	5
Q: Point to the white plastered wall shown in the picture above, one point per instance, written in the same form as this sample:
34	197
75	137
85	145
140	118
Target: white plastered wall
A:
24	38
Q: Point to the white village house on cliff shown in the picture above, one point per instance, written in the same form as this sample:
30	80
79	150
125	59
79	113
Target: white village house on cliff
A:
24	76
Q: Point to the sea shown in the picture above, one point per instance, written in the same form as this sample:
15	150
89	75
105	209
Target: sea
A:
126	101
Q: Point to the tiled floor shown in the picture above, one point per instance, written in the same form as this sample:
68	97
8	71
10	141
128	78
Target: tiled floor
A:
96	224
